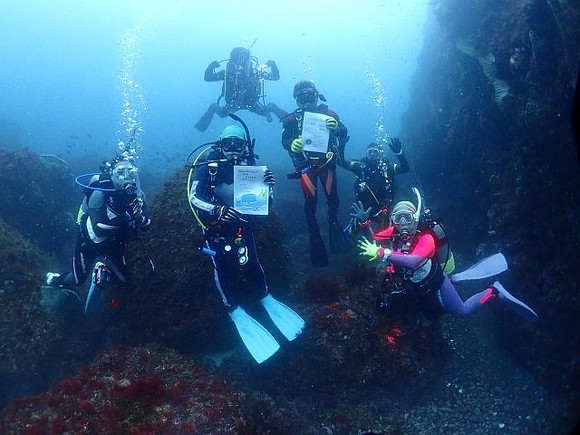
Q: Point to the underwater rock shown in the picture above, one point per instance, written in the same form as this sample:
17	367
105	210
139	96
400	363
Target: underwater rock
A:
175	299
487	63
37	345
526	139
146	389
60	302
39	198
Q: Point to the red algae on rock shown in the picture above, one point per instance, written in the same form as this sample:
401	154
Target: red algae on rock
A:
146	389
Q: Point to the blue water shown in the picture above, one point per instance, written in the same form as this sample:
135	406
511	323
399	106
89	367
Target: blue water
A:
69	68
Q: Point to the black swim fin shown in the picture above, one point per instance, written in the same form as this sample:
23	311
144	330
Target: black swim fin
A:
318	254
336	239
206	118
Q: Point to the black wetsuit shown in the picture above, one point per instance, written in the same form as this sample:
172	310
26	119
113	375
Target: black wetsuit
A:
375	184
241	89
105	226
232	242
311	168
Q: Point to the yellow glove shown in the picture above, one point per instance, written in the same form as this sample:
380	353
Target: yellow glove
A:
368	249
297	145
331	123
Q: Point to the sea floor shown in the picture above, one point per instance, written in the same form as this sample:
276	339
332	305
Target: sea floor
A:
484	392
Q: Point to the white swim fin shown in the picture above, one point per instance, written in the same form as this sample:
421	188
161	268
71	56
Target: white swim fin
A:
489	266
286	320
256	338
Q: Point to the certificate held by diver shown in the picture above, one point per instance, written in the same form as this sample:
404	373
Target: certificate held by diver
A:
250	192
315	132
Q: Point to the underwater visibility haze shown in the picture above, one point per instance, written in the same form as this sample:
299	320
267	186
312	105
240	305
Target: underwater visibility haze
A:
469	101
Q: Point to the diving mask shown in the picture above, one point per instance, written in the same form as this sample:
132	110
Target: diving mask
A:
402	217
124	173
233	144
306	97
373	153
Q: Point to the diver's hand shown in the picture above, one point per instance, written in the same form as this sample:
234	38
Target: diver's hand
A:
395	145
136	209
225	213
269	178
215	64
297	145
331	123
135	215
368	249
359	212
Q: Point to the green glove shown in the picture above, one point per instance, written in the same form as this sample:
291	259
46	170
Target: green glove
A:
297	145
368	249
331	123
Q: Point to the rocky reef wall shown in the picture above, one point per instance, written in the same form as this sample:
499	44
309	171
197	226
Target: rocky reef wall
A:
493	95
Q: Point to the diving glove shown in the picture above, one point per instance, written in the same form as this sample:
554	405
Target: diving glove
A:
359	212
297	145
269	178
136	209
372	250
226	213
395	145
331	123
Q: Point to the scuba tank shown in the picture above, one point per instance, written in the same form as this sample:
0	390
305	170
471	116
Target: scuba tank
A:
425	222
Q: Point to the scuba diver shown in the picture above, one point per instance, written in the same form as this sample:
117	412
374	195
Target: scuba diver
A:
113	212
229	238
311	167
243	87
418	262
374	186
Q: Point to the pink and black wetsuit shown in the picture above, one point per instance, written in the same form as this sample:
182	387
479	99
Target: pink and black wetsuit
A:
422	271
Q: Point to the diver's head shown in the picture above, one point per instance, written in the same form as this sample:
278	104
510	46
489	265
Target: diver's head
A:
403	218
374	152
233	143
306	94
240	55
124	175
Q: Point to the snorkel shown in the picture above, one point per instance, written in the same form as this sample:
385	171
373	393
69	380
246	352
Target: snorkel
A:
406	226
417	214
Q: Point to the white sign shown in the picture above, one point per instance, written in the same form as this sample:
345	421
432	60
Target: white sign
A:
251	194
315	133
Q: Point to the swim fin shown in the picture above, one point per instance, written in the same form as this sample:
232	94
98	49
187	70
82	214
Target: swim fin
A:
256	338
336	239
489	266
94	297
318	254
515	304
347	231
286	320
206	118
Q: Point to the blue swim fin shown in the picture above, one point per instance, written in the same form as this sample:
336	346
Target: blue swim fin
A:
286	320
93	302
257	340
489	266
515	304
346	233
